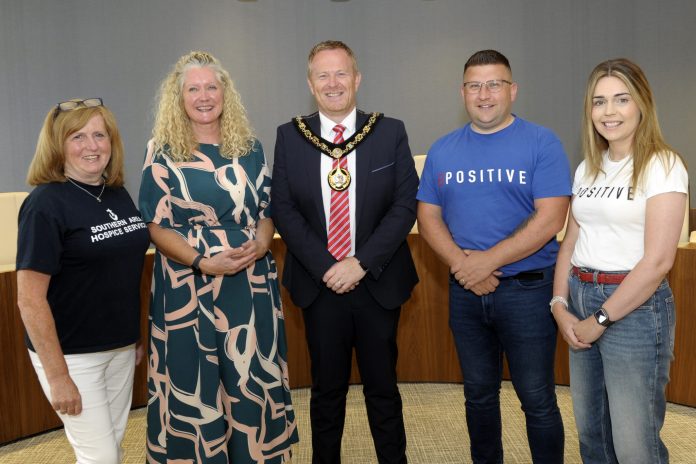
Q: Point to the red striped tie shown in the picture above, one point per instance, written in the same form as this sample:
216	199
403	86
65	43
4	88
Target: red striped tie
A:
339	214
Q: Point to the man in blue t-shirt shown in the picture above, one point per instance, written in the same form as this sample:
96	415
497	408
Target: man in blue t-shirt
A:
493	195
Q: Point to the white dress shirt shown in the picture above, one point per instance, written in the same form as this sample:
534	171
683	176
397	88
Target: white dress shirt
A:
327	133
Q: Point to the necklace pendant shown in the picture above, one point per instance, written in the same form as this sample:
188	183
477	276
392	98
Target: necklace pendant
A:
99	200
339	179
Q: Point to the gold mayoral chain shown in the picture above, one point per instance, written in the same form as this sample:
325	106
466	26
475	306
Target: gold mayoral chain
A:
339	178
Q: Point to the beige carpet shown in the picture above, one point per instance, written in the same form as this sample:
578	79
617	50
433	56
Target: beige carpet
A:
435	425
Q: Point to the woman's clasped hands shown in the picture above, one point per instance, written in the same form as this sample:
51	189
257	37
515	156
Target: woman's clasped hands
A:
233	260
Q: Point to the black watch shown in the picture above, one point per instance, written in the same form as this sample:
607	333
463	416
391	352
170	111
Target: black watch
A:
196	262
602	317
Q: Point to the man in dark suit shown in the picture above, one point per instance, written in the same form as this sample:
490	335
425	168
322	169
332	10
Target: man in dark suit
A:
344	200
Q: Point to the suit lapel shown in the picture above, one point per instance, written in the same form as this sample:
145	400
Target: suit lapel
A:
313	168
363	162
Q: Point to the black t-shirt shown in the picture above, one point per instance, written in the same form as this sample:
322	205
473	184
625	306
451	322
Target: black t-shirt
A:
94	254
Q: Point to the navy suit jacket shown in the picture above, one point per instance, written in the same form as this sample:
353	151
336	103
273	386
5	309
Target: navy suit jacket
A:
386	189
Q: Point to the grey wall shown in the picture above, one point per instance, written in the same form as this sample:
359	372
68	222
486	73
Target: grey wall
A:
411	54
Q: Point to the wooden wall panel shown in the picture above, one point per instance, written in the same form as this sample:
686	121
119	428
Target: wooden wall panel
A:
24	409
426	349
298	355
682	386
140	380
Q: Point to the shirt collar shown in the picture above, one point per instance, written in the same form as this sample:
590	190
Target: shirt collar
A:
327	124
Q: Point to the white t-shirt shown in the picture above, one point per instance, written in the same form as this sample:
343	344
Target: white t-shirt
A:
611	214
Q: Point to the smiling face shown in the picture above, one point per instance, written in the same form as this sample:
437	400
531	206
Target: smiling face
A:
615	115
203	98
88	151
334	83
489	112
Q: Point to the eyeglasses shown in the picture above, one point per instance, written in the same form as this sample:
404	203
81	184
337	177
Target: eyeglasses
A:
493	86
72	104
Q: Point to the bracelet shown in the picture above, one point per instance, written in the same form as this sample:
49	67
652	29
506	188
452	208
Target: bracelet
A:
558	299
196	262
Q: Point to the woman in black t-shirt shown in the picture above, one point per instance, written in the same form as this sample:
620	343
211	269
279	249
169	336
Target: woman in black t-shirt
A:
80	256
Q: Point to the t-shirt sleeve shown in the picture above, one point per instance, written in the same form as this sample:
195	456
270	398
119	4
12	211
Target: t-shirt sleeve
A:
154	198
40	237
666	175
263	182
579	176
552	169
427	190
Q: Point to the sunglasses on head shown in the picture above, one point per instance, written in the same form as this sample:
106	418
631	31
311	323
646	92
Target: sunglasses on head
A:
72	104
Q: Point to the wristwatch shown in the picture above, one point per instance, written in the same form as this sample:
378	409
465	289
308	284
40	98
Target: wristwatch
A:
195	265
602	317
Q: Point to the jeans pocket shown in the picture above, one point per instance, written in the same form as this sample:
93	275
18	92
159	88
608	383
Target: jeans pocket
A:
607	290
575	302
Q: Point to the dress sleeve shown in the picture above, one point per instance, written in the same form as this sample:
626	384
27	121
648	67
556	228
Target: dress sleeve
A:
154	199
40	238
263	182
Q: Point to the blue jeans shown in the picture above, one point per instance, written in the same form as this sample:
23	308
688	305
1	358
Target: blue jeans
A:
618	385
514	320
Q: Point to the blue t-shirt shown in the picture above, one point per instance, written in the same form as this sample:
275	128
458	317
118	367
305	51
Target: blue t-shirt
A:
486	185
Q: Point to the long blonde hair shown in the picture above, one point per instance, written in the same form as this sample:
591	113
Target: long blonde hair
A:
48	164
648	140
173	134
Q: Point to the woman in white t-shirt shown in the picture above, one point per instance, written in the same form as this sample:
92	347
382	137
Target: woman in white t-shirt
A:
612	302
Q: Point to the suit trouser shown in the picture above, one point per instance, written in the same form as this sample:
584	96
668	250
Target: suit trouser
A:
334	324
105	383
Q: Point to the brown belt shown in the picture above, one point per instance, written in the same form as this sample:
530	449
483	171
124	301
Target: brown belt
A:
601	277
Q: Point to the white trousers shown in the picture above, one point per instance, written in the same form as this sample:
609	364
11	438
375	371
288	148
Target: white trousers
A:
105	382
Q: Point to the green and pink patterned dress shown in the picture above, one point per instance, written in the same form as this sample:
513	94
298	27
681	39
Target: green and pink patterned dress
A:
217	378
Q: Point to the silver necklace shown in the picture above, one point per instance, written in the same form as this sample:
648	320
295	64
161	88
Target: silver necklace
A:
98	198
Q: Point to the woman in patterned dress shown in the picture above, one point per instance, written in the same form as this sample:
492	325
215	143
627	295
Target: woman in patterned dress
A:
218	381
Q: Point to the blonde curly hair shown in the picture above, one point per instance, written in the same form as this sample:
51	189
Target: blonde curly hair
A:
173	134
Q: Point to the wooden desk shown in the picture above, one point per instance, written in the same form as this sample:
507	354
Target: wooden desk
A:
24	410
682	386
426	349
